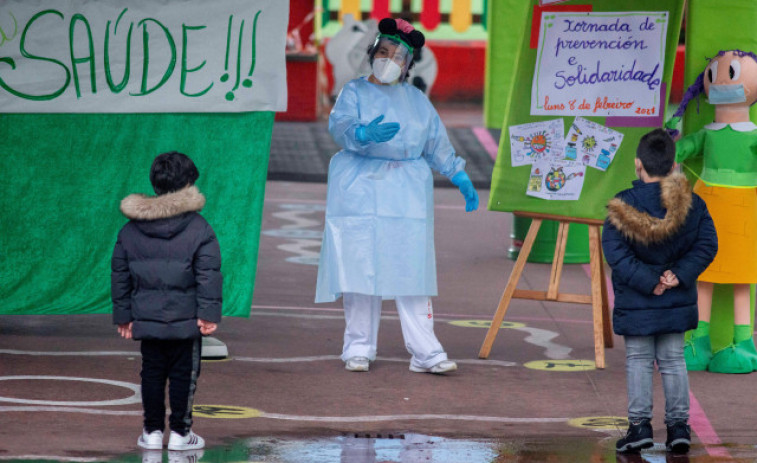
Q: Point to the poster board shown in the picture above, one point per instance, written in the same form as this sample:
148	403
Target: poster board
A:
509	184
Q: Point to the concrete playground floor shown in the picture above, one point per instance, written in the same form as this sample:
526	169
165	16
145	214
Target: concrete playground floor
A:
69	385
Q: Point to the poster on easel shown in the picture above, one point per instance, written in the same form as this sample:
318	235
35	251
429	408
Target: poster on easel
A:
619	59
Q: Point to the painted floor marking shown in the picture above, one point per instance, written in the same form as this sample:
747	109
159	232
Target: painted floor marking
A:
135	398
322	419
89	411
486	140
360	419
318	358
704	430
314	358
78	353
303	242
536	336
437	314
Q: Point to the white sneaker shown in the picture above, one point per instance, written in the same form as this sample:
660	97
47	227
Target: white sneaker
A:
357	364
445	366
193	456
152	441
189	442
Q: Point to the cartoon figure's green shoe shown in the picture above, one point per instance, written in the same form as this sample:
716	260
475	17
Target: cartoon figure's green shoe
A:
697	353
735	359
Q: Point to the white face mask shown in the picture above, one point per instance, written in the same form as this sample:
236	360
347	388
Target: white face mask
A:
386	70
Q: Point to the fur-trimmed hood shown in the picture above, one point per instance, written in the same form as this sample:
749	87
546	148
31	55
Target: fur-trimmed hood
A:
636	225
143	207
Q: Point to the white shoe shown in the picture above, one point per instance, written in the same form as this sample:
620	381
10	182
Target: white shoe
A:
192	456
189	442
357	364
445	366
152	441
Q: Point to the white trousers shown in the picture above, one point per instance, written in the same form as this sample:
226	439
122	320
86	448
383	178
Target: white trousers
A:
362	314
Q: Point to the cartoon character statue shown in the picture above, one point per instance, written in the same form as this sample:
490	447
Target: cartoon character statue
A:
727	151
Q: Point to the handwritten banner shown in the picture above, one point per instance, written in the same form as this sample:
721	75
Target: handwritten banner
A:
599	64
137	56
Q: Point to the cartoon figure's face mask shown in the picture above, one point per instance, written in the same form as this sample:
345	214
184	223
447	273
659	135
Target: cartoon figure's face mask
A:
731	80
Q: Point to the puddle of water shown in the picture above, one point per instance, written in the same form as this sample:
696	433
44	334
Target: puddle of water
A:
418	448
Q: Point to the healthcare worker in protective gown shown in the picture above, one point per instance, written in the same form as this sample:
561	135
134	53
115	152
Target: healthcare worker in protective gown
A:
378	241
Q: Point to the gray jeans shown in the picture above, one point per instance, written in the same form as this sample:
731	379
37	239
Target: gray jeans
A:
641	353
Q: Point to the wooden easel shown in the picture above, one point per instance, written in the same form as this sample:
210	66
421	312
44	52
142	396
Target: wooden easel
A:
597	298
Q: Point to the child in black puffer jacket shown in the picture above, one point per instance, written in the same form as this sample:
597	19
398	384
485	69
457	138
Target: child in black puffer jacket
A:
166	290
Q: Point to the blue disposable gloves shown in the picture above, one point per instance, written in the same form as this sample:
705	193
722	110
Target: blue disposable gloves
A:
376	131
462	181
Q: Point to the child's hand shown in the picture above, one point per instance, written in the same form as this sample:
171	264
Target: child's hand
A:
206	327
669	279
659	289
124	329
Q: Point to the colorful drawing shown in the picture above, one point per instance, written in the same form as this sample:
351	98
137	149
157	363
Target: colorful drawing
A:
589	143
563	180
536	140
594	144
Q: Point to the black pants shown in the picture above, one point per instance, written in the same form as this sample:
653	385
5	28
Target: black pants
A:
177	361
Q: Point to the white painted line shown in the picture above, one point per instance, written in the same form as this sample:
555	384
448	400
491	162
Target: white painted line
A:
320	419
437	314
360	419
318	358
135	398
314	358
89	411
78	353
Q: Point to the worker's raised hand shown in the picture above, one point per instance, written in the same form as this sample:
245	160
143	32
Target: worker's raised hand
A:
377	132
463	182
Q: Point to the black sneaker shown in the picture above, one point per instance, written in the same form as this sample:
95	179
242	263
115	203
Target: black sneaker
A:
679	437
639	436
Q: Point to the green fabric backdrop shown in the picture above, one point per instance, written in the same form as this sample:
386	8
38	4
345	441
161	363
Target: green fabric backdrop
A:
64	175
508	189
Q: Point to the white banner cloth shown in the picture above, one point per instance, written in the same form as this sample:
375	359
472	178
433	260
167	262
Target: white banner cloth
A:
137	56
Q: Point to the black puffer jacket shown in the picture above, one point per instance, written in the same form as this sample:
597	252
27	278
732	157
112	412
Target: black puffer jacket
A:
166	266
651	228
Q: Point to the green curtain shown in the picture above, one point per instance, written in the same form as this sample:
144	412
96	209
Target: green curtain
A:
64	175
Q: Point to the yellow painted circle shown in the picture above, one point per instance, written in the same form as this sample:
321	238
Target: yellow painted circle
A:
599	422
561	365
225	411
484	324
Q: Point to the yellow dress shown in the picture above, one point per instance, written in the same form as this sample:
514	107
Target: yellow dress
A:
734	211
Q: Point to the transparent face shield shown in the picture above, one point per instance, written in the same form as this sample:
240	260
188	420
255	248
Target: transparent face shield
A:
391	59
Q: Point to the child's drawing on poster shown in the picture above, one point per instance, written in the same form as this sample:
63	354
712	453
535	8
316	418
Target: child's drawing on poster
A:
536	140
592	144
562	180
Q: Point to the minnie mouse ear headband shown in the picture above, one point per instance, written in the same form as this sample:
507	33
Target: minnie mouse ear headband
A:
401	31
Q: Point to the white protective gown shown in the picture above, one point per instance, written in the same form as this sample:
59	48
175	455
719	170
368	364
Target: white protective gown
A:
379	233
